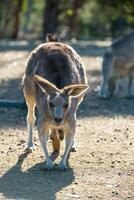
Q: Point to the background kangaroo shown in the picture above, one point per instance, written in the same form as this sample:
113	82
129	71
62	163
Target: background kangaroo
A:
54	82
118	62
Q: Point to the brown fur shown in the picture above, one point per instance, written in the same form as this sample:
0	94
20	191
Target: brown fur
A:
54	72
52	38
118	63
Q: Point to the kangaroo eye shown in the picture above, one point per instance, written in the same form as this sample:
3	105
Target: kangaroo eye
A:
51	105
66	105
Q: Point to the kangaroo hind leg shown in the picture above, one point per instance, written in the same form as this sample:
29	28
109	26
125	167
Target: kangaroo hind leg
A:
30	101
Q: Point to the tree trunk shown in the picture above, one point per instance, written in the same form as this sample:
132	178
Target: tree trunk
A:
76	5
6	17
51	14
17	19
27	16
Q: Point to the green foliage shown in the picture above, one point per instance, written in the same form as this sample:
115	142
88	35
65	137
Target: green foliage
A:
86	18
36	17
105	18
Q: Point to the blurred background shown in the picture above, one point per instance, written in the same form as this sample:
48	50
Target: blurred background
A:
103	167
79	19
88	26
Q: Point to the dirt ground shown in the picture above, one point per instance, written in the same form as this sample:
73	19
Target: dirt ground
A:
103	166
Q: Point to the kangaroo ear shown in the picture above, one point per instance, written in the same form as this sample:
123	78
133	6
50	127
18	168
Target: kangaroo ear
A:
45	85
52	38
75	90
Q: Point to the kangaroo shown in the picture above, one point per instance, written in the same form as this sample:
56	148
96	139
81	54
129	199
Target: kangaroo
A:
118	62
55	82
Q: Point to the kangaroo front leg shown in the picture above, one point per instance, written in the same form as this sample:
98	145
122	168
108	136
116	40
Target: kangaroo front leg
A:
43	140
69	138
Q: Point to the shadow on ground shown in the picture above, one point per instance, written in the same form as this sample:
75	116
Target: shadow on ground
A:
11	89
35	183
92	106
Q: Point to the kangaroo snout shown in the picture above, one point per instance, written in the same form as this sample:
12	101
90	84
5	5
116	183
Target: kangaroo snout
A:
58	120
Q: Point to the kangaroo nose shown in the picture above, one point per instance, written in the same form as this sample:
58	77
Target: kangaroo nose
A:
58	120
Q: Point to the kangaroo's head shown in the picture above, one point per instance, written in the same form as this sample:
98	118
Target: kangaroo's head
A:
58	99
